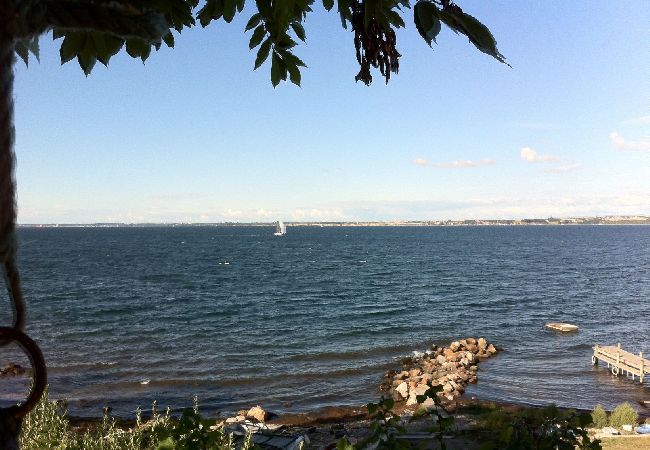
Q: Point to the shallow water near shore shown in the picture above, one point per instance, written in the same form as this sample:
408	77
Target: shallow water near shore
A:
239	317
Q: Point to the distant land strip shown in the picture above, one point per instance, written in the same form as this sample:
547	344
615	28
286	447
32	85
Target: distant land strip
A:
604	220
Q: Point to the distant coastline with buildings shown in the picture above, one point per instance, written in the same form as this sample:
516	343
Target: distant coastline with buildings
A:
600	220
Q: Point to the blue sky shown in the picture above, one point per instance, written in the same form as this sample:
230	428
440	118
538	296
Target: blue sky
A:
196	135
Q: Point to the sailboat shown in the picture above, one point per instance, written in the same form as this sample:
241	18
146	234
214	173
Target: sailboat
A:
280	228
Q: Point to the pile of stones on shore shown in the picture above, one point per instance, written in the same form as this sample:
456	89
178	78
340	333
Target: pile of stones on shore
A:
452	367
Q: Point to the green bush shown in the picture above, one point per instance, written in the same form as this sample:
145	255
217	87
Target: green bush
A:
623	414
544	428
47	427
599	417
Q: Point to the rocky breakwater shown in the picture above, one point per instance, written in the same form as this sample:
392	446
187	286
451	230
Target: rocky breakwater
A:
452	367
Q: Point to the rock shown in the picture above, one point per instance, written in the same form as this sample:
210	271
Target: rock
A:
235	419
402	375
402	389
12	369
420	389
454	346
441	359
428	403
257	413
471	341
473	369
491	350
482	343
414	373
472	348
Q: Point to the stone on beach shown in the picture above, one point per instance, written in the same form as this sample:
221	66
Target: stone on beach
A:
402	389
257	413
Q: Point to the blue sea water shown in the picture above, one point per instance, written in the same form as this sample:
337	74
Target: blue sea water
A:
240	317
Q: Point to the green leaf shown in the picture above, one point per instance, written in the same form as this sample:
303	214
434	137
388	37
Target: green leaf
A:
21	50
168	39
426	20
26	46
137	48
478	34
299	30
395	19
294	73
86	61
328	4
229	9
253	21
263	53
293	59
72	45
257	37
276	69
212	10
240	5
446	422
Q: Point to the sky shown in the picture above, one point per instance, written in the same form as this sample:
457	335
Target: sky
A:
195	135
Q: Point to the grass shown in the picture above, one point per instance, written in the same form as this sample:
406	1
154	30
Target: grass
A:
625	443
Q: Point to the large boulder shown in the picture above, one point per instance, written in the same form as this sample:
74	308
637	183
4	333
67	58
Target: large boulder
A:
257	413
402	389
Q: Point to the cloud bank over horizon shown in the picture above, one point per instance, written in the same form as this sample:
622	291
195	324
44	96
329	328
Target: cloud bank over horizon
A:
498	207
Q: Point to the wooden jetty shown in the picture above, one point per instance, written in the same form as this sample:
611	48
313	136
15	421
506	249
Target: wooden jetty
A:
620	361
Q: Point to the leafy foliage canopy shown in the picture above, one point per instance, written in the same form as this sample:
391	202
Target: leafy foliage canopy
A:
96	30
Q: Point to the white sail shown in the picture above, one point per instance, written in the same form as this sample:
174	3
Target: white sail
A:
280	228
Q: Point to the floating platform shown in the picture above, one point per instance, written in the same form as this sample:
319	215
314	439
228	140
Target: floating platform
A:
563	327
620	361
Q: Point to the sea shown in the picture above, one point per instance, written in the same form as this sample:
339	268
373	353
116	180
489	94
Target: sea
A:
238	317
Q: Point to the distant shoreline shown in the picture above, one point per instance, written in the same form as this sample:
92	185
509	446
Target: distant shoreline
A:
606	220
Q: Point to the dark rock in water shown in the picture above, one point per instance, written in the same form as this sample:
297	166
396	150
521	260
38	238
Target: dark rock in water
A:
407	361
12	369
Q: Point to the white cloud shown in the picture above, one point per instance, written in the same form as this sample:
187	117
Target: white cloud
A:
318	215
643	120
232	214
561	169
420	162
530	155
620	143
263	213
504	207
464	164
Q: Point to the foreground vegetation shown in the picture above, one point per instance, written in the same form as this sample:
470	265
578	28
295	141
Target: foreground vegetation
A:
48	427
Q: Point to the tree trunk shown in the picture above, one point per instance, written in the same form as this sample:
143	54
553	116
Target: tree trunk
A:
9	424
7	181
